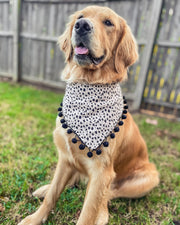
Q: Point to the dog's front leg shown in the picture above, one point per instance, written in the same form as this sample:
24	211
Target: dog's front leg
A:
96	194
62	175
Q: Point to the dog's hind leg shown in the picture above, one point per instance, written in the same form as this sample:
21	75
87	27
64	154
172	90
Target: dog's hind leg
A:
42	191
137	184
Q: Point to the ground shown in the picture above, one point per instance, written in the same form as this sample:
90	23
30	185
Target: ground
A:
28	158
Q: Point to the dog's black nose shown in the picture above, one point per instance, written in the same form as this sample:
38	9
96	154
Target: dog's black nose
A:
82	27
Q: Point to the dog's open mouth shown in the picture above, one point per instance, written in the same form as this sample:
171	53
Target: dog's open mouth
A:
83	52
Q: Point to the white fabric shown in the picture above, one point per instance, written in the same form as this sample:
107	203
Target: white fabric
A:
92	111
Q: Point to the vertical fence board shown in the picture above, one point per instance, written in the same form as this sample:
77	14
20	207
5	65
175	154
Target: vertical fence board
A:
162	89
6	36
16	14
148	51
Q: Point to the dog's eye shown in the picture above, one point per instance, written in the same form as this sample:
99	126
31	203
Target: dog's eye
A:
108	23
81	16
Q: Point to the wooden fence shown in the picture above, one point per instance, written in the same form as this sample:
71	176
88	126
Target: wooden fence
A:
28	49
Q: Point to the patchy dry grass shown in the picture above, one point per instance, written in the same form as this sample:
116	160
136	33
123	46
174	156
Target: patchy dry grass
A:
28	158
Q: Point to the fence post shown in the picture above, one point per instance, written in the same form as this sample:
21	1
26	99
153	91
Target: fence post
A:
16	30
157	7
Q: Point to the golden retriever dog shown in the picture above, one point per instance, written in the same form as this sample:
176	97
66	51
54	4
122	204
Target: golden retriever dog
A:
99	47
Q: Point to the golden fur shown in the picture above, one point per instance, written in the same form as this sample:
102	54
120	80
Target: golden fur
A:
118	43
123	170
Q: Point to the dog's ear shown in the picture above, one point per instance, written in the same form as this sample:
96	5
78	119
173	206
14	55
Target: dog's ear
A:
127	51
64	40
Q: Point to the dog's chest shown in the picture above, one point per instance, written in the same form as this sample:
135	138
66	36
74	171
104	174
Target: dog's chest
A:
92	111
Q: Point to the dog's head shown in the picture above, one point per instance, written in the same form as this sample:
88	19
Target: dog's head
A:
98	45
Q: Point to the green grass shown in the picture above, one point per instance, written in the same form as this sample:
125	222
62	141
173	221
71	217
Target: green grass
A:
28	158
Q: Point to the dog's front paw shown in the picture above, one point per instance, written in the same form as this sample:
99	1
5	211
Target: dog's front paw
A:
102	220
103	217
32	220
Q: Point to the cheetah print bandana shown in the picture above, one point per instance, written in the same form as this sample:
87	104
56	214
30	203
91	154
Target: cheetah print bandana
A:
92	111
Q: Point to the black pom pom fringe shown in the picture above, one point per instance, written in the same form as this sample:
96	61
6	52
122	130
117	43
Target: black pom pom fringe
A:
64	125
74	140
82	146
90	154
112	135
98	151
69	131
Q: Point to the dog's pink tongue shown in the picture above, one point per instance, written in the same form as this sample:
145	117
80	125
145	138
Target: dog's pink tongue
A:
81	51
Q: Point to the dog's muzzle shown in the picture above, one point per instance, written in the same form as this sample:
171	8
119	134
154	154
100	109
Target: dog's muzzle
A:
83	27
81	40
